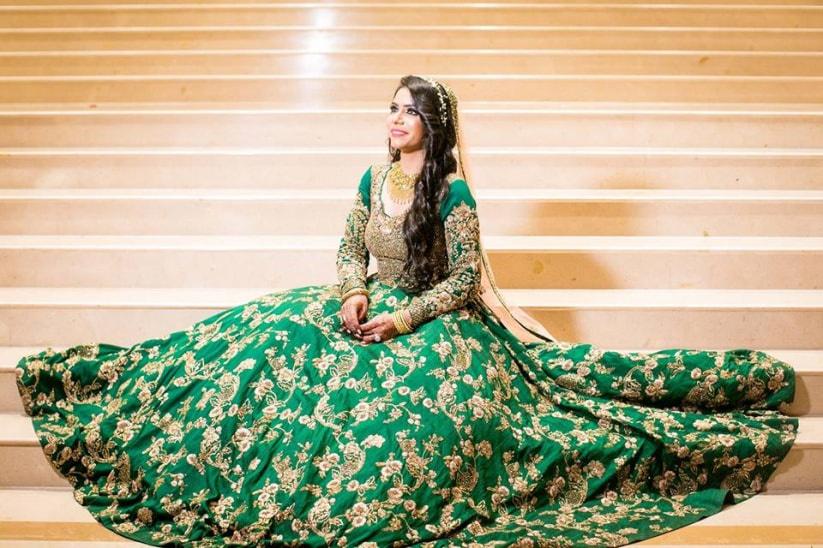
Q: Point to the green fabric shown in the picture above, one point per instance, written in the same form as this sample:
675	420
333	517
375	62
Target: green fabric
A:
266	424
459	193
459	257
364	186
352	255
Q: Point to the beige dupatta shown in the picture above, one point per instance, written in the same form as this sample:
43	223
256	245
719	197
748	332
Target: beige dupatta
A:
515	319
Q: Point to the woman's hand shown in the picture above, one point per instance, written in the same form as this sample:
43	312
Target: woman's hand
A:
352	312
379	328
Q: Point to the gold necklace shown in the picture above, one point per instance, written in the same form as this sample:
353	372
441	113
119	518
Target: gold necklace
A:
401	185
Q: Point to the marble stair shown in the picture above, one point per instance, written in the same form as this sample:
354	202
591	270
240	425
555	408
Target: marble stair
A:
649	175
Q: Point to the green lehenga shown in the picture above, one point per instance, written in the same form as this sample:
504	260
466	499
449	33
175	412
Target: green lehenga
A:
267	424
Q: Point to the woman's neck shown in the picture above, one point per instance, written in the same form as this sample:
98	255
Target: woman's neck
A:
412	162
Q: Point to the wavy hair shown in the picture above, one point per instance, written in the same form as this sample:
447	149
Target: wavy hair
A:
422	219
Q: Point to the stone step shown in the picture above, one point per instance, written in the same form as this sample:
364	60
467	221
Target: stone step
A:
322	90
652	3
400	37
646	318
712	130
416	61
521	262
511	16
22	463
52	518
546	168
558	212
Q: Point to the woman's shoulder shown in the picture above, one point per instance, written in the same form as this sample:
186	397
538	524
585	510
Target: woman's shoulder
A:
458	185
367	180
459	193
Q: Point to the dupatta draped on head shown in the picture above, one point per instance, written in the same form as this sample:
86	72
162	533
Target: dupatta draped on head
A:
515	319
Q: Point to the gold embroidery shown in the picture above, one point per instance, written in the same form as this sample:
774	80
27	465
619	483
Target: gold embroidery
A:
352	256
456	247
264	423
329	436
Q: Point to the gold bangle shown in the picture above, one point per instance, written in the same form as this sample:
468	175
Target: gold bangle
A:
400	322
397	325
354	291
404	320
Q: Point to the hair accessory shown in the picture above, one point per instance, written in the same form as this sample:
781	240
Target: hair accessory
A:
439	87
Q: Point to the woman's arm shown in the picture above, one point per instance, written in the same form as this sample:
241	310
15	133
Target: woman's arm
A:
462	232
352	255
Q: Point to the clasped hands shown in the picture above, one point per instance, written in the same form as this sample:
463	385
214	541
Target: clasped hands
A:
379	328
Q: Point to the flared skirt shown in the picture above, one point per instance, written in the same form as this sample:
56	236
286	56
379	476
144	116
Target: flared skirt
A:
266	424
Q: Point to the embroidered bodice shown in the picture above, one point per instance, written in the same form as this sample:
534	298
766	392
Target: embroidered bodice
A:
372	229
384	236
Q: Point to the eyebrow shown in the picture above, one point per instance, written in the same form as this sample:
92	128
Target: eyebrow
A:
406	105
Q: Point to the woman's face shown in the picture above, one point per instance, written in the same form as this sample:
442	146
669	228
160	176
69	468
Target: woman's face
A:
405	127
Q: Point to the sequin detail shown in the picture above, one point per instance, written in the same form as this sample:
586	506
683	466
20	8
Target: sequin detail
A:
369	230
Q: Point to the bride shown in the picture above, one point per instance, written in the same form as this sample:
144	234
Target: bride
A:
407	407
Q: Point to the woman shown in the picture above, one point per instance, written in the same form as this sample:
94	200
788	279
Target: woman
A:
410	407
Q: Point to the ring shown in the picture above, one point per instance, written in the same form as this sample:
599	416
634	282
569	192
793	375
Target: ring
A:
377	338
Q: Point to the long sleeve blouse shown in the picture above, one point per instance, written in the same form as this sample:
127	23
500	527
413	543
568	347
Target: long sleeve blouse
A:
457	246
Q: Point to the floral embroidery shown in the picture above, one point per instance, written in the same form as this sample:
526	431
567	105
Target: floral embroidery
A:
352	255
456	247
266	424
463	282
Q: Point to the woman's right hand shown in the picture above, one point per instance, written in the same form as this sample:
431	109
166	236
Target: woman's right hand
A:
353	312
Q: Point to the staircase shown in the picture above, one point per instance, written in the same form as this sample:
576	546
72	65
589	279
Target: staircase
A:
648	175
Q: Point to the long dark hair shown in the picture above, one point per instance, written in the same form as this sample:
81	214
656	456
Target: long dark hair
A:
423	220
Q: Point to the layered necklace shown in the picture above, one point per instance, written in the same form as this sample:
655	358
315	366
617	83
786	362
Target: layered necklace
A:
401	185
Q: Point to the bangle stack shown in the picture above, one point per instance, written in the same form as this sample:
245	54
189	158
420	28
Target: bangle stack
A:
400	322
354	291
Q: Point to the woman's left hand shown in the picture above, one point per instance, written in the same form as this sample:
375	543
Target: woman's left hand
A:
378	329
